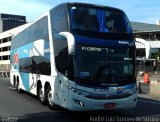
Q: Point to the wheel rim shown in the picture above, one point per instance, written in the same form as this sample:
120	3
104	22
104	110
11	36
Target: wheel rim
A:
50	97
41	95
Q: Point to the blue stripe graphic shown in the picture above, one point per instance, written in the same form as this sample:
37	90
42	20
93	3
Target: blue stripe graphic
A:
101	42
25	80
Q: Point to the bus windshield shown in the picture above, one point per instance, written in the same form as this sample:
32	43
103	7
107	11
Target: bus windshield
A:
99	20
104	65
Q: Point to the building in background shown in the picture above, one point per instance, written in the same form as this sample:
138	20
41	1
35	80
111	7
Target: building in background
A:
149	33
8	21
9	26
148	46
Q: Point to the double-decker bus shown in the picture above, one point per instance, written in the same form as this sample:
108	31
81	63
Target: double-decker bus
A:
78	56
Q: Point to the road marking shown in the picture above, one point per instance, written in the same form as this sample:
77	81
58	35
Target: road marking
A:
149	101
13	88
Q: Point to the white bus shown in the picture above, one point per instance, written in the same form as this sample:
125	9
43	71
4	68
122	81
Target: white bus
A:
77	56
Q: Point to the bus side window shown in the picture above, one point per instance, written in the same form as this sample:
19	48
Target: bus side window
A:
60	19
41	65
34	30
43	29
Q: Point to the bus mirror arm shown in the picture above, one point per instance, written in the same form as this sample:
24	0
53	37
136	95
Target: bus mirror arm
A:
59	37
70	41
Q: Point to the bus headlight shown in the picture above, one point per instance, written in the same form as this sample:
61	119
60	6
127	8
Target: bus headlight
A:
80	103
134	100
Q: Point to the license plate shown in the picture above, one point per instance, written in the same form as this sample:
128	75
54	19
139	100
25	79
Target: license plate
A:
109	105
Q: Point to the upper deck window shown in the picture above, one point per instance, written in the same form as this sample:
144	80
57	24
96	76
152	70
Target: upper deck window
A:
99	19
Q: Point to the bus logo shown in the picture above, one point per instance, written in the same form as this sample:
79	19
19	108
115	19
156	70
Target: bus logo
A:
120	90
123	42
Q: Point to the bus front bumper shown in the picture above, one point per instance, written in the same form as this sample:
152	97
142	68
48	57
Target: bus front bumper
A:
81	103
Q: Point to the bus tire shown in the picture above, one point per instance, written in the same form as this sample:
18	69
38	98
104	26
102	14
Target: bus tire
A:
14	80
18	86
50	103
41	96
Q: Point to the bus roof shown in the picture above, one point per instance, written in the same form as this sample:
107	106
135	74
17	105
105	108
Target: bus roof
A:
87	4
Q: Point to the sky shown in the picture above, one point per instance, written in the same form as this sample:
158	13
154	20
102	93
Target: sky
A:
145	11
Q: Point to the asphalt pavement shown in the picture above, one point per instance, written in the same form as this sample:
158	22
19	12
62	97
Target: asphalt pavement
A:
15	107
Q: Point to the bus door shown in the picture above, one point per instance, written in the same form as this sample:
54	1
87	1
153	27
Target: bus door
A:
62	67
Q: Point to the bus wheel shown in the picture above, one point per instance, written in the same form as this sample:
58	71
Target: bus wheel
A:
50	103
18	87
41	96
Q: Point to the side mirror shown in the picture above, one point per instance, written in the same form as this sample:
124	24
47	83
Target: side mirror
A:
70	41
